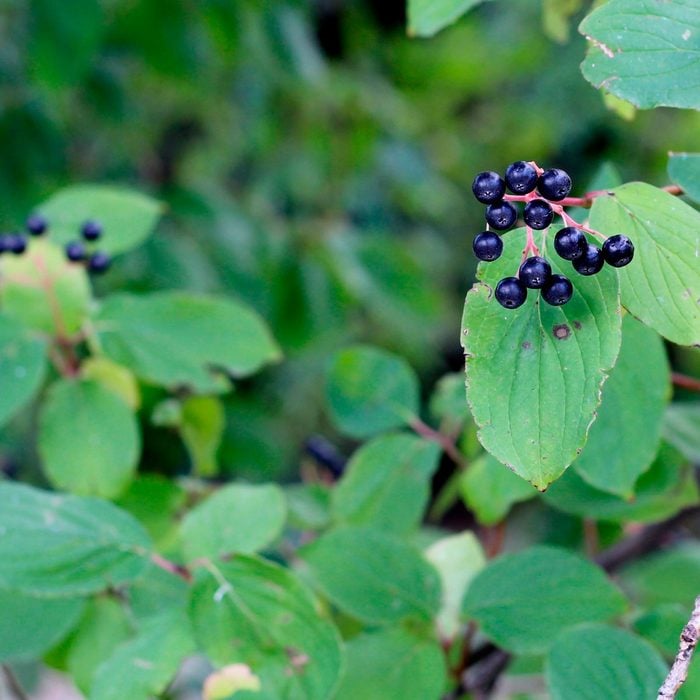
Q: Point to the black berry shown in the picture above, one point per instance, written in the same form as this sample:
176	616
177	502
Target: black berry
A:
538	214
570	243
488	187
558	290
501	215
618	250
534	272
590	262
488	246
521	177
554	184
91	230
75	251
511	293
37	224
99	262
15	243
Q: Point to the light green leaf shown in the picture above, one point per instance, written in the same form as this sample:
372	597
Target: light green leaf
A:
523	601
534	373
22	366
597	661
625	438
308	506
202	425
661	286
645	51
144	666
682	429
556	17
65	545
387	483
204	336
238	518
489	489
393	664
114	377
156	592
89	439
258	613
427	17
684	170
127	217
370	391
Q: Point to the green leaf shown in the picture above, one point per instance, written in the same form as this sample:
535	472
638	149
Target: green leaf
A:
489	489
308	506
682	429
597	661
625	438
114	377
393	664
534	373
30	625
370	391
89	439
373	576
127	217
202	426
645	54
427	17
144	666
56	545
204	336
22	366
556	17
448	402
661	625
523	601
238	518
387	483
157	591
684	170
256	612
457	558
661	286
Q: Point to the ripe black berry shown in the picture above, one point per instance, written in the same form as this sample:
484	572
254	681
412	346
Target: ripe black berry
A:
501	215
487	246
590	262
488	187
511	293
538	214
14	243
554	184
534	272
75	251
558	290
521	177
618	250
570	243
37	224
91	230
99	262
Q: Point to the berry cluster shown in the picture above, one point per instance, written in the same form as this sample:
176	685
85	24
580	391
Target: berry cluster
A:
545	193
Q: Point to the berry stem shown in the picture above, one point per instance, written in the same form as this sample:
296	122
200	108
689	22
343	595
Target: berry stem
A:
530	245
685	382
558	209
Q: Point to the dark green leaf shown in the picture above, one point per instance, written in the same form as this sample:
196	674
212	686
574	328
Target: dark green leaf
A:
662	625
682	429
308	506
684	170
427	17
449	401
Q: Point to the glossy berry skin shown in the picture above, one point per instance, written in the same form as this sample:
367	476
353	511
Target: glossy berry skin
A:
558	290
75	251
488	187
534	272
487	246
570	243
15	243
91	230
521	177
99	262
554	184
591	262
36	224
538	214
511	293
501	215
618	250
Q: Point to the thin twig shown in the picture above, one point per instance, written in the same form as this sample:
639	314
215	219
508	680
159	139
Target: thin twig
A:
13	684
679	671
446	442
685	382
171	567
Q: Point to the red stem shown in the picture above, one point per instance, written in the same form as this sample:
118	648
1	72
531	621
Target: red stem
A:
685	382
447	444
171	567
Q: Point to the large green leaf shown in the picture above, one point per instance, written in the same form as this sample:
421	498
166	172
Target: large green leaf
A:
523	601
89	439
66	545
127	217
203	336
682	429
256	612
238	518
684	170
373	576
661	286
387	483
427	17
597	661
645	51
22	366
534	373
625	438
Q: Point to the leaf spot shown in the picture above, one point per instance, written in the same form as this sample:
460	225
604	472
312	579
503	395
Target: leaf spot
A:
527	345
561	331
577	325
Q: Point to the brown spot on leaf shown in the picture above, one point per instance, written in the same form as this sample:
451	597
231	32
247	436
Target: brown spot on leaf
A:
561	331
527	345
577	325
